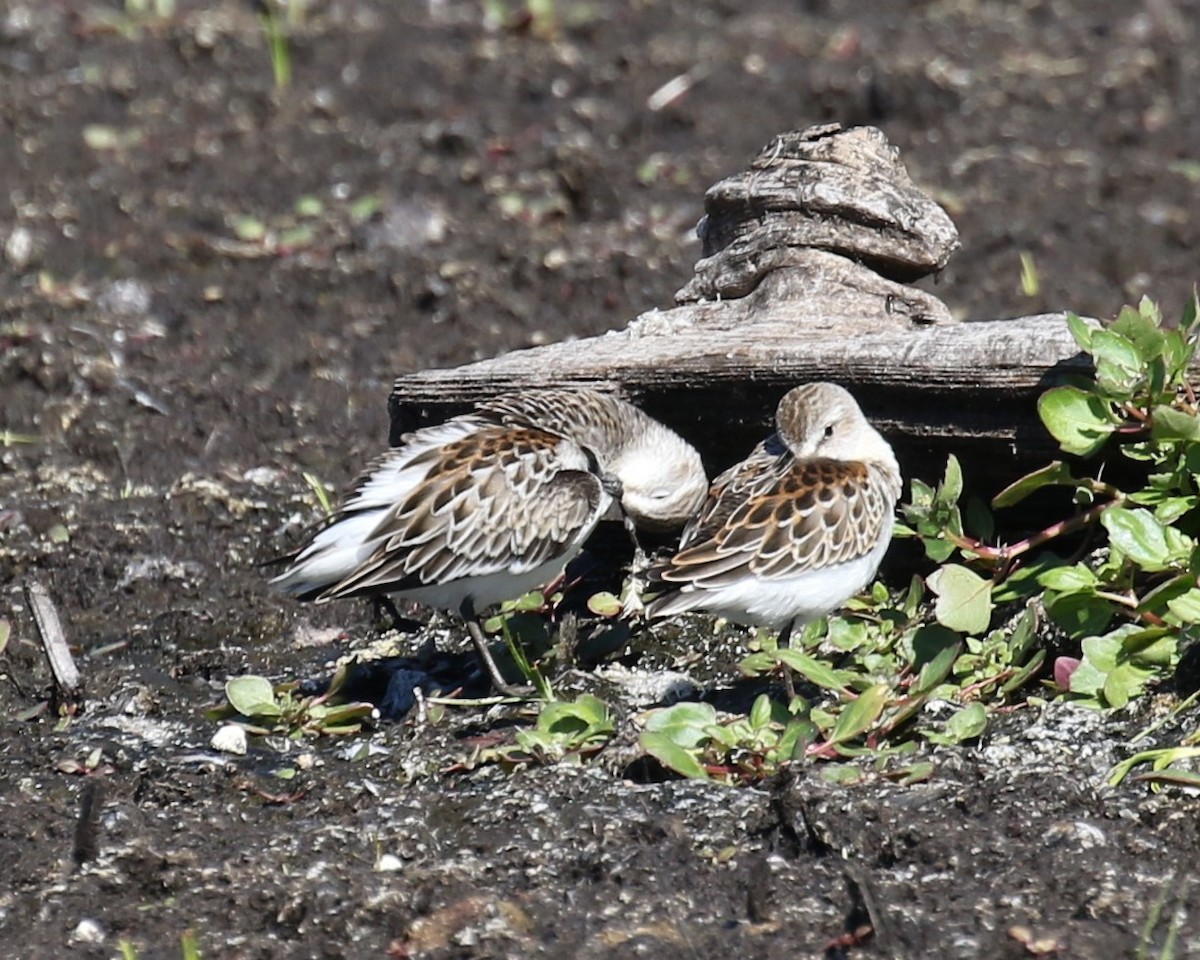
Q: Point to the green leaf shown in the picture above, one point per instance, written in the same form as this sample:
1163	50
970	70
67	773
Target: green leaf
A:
934	651
531	602
964	599
1081	330
968	723
979	519
913	597
951	487
1143	539
921	493
1118	364
859	716
347	712
1149	310
1177	776
1186	607
1087	680
1103	651
937	550
1152	647
249	229
917	773
1080	421
587	715
1171	509
365	207
1054	474
308	206
760	713
1080	614
813	670
251	696
757	663
604	604
796	737
672	756
683	723
1068	579
845	634
1022	676
1123	683
1167	423
1141	330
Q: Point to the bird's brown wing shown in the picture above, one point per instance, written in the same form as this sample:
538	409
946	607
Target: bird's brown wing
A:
780	518
501	500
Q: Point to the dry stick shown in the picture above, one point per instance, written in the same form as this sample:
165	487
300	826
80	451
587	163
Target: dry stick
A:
54	640
86	845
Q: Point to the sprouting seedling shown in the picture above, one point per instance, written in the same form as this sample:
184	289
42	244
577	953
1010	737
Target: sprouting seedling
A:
275	29
278	709
322	492
1030	282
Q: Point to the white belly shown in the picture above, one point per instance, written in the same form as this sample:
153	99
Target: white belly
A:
488	590
800	599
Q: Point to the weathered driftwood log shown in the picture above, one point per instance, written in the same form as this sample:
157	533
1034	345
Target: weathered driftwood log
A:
823	189
800	281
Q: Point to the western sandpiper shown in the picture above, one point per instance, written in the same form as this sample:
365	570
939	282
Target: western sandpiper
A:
494	503
794	530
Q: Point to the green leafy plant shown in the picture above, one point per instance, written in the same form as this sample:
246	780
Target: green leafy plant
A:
540	18
275	709
563	729
1130	604
689	739
1118	577
189	947
523	624
563	732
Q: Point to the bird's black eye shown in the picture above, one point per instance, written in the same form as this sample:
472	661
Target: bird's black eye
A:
829	431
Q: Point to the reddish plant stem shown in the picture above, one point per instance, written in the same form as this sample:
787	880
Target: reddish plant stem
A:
1003	557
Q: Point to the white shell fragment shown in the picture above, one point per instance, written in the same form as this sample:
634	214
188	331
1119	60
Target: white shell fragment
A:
231	738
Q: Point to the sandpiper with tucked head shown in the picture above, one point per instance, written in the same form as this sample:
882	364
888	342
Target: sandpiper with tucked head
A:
797	528
494	503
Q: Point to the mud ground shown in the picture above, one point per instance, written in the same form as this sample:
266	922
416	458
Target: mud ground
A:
208	282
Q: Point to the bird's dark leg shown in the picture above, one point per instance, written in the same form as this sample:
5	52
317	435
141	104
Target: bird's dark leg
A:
475	631
789	683
381	603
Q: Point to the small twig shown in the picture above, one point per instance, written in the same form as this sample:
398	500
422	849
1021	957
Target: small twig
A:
54	642
86	844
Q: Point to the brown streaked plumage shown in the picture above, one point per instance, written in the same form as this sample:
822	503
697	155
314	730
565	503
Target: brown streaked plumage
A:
494	503
794	530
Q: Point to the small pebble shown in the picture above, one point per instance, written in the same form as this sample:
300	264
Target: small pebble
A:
231	738
87	931
18	248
